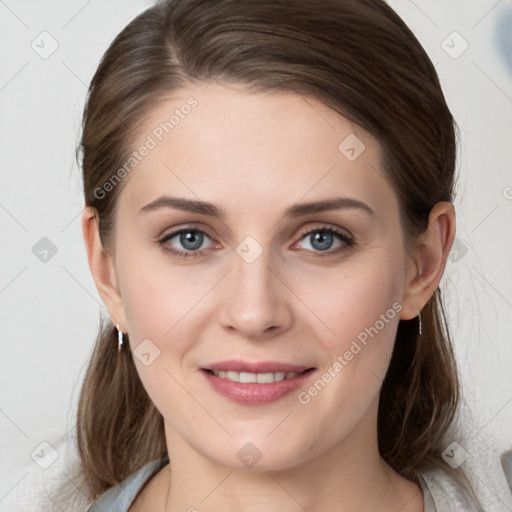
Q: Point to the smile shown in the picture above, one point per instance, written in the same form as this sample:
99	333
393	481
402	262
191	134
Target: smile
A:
248	388
259	378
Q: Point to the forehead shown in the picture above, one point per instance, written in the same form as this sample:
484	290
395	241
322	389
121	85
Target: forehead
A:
221	144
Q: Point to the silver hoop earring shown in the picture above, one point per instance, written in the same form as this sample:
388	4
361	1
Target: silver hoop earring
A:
120	338
419	316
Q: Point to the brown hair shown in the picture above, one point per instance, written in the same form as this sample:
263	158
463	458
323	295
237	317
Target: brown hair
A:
357	57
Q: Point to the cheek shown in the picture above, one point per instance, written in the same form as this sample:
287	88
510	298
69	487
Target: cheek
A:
362	309
359	306
354	297
158	302
157	295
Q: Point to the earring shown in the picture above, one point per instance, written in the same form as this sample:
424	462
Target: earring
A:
419	316
120	338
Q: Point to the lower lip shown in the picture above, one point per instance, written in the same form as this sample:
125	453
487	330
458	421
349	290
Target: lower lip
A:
253	393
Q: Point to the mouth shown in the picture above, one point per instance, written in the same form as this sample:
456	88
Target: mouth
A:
260	386
256	378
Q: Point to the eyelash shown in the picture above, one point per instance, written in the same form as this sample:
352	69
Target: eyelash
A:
348	242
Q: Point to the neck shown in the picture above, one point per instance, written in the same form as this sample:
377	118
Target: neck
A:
348	476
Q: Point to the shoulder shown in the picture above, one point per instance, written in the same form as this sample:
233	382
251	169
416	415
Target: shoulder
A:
486	475
506	462
120	497
476	457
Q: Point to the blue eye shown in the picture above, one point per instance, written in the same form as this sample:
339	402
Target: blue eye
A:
321	240
190	239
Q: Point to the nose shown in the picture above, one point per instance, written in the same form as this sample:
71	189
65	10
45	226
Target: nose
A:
256	303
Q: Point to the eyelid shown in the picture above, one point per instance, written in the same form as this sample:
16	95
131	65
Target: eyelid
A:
344	235
192	226
177	231
326	227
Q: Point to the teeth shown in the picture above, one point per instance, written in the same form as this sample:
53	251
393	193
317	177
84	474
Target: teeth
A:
260	378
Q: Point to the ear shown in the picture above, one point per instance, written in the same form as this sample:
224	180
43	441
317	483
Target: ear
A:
429	261
102	268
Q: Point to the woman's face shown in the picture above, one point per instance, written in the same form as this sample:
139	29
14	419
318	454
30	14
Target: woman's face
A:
250	284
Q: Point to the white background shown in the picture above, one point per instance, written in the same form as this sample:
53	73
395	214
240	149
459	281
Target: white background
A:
49	311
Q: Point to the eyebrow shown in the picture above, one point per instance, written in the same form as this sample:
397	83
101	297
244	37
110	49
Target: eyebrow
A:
297	210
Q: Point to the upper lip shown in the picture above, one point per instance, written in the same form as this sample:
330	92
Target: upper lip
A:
256	367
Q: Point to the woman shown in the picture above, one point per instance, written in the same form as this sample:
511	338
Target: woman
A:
268	192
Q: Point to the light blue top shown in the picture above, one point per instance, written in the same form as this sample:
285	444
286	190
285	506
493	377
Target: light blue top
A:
121	497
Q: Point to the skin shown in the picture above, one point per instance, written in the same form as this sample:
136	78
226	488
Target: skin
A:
254	155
